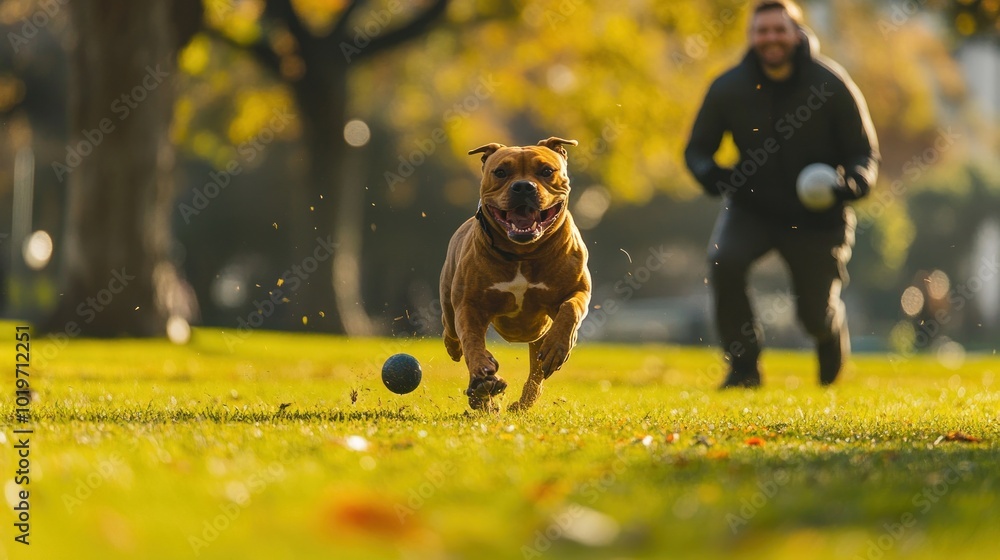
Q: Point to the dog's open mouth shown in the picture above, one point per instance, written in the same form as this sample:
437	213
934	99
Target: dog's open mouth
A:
523	223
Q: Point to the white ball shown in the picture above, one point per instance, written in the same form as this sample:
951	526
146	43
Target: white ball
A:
815	186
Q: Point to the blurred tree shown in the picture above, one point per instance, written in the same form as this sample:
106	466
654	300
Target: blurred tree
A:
975	17
313	46
622	78
626	80
117	278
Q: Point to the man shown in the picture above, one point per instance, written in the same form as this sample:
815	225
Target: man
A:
786	107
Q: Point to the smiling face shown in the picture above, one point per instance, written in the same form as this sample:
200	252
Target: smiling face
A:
524	190
774	37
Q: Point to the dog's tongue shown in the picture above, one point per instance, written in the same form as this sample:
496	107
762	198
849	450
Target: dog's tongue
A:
523	217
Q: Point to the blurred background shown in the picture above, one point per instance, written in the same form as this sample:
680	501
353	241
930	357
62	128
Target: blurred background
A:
301	164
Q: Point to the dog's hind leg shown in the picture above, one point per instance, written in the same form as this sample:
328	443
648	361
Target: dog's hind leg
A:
450	335
533	386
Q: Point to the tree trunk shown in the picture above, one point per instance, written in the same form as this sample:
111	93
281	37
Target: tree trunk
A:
329	209
117	278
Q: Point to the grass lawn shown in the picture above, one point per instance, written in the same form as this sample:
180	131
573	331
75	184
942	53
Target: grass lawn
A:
290	447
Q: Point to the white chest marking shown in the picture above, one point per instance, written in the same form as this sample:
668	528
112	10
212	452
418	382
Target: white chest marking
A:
519	286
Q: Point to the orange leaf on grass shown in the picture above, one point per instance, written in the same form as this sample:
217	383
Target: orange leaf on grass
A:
960	436
546	490
717	454
754	441
368	515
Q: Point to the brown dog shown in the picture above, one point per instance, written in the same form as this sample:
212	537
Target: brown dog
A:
520	265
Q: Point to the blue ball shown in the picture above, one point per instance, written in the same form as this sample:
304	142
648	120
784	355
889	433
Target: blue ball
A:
401	373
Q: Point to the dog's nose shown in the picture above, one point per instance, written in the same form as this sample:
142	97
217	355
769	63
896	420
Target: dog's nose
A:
523	187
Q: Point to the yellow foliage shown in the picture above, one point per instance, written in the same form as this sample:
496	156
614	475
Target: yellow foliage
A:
204	144
319	14
255	110
728	153
894	233
239	20
627	76
194	58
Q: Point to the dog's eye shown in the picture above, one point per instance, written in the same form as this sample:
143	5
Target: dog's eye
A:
547	172
499	173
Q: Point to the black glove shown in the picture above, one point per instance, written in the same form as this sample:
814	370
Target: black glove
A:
848	187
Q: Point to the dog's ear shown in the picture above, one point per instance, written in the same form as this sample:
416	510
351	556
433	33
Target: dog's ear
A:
556	145
487	150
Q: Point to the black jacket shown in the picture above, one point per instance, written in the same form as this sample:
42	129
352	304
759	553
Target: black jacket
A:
816	115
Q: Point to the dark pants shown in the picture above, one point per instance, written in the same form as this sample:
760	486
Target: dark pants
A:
817	260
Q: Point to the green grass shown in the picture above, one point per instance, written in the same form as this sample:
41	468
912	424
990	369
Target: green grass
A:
139	446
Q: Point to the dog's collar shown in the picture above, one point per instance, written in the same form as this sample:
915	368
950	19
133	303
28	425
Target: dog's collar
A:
481	217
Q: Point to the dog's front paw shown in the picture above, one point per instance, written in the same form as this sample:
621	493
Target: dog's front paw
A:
553	354
482	390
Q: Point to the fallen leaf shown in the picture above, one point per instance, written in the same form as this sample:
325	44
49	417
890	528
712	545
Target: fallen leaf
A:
754	441
366	515
960	436
546	490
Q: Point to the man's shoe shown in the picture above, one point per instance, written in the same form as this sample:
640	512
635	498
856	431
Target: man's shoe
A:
748	378
831	357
